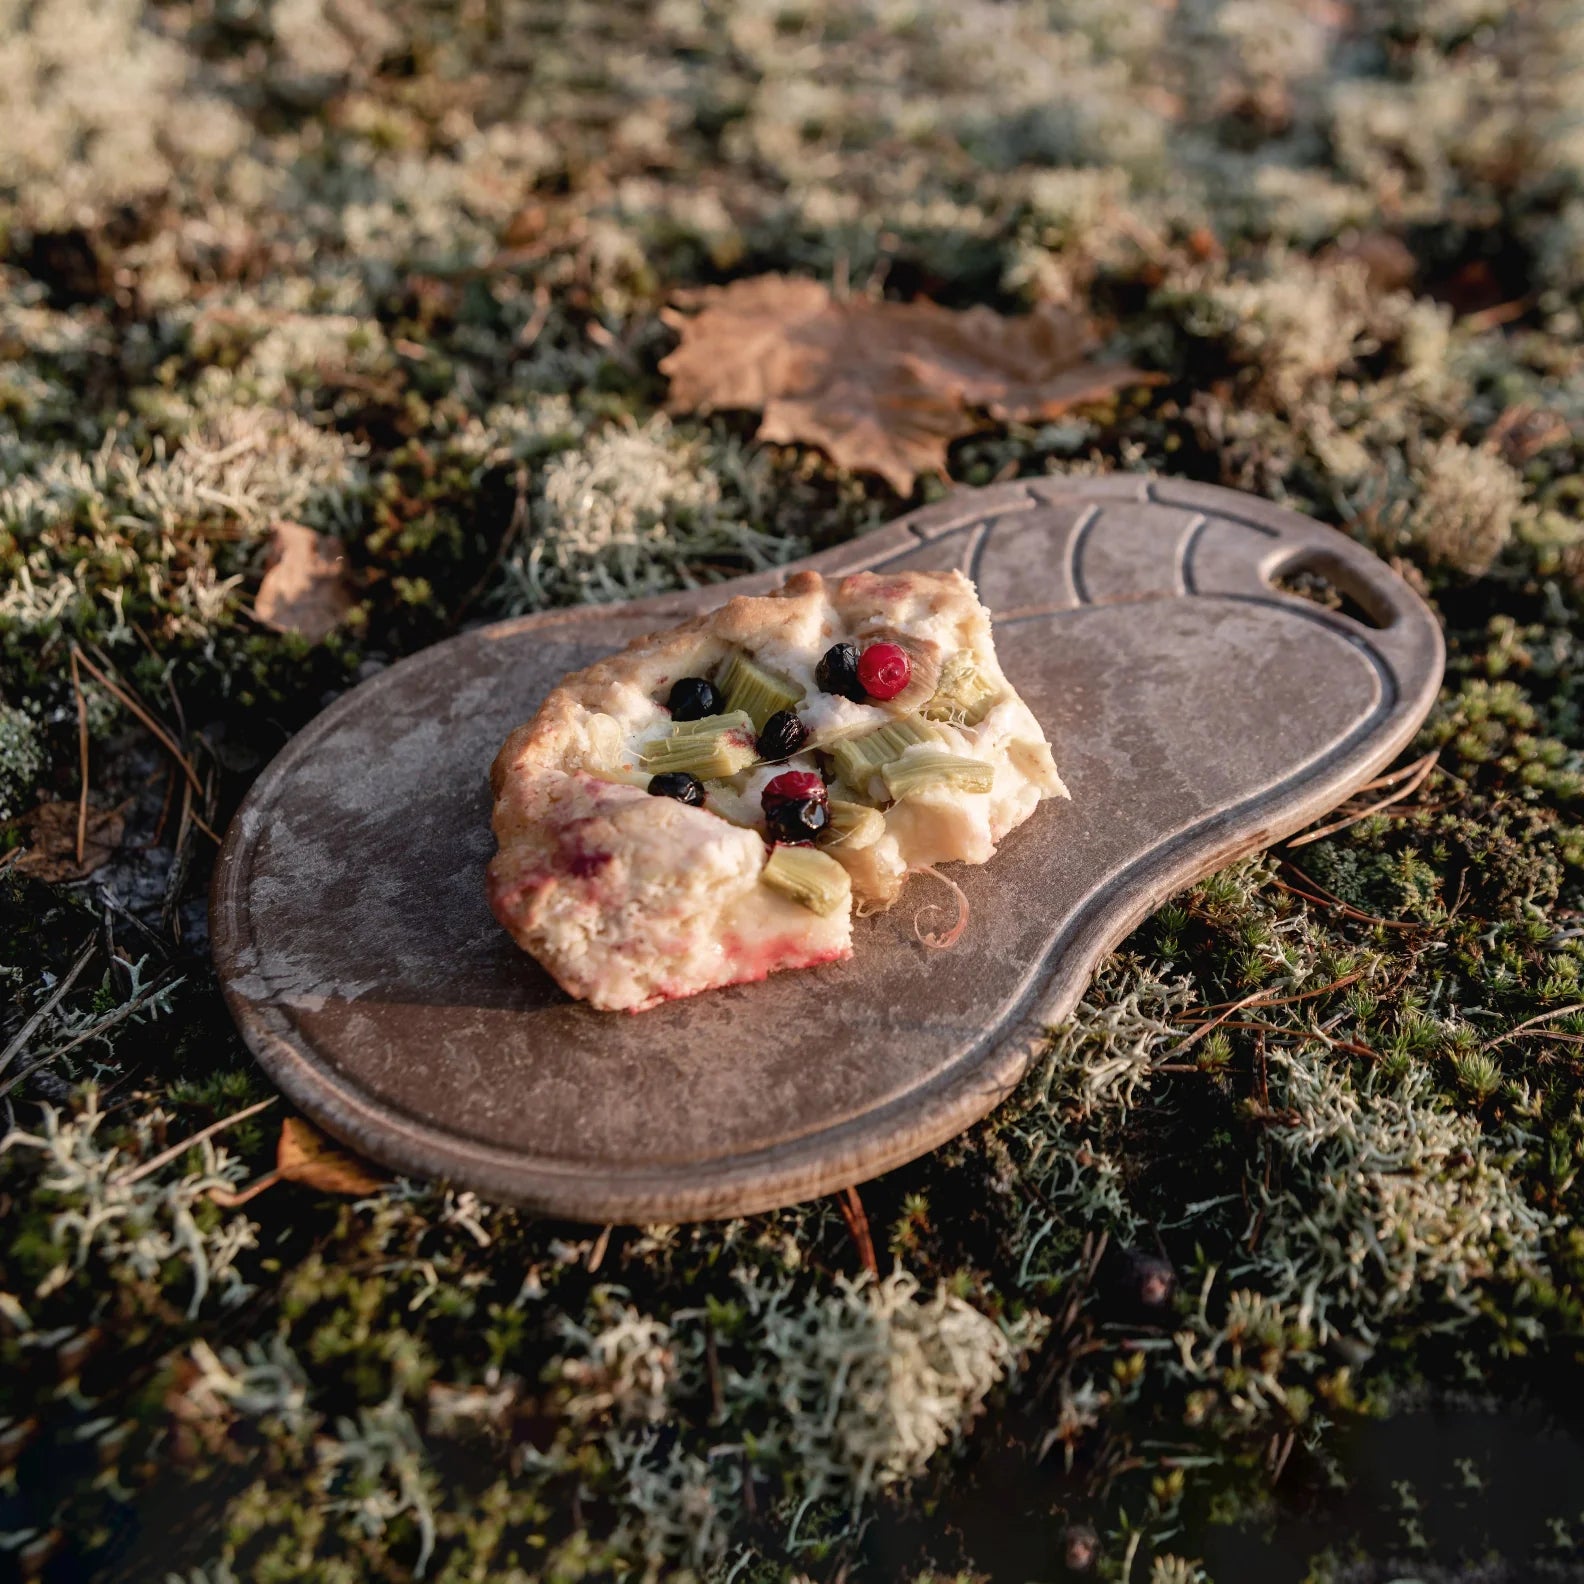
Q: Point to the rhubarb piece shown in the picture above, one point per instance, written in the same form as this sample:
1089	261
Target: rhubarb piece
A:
809	877
962	696
858	758
711	748
749	686
936	771
853	825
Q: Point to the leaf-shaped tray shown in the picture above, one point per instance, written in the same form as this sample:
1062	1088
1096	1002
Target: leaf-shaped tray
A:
1196	711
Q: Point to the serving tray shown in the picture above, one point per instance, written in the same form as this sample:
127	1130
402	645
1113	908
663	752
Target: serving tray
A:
1197	713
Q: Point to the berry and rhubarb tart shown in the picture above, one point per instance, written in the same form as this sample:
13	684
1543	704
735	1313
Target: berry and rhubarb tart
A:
713	803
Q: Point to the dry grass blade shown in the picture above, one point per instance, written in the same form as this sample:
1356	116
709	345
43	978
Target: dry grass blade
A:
82	754
1418	773
96	1030
858	1229
176	1151
1317	896
1288	1000
56	996
130	701
1214	1023
1394	778
1534	1022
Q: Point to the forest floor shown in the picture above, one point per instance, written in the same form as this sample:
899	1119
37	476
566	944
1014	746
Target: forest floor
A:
1302	1300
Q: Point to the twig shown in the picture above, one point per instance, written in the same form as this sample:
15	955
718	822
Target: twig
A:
231	1199
1421	773
93	1031
82	756
1499	314
8	1055
170	743
712	1364
1303	995
597	1253
1318	896
858	1229
1394	777
165	803
176	1151
1215	1022
171	746
170	687
1330	1040
1512	1033
170	907
514	527
540	317
1279	1457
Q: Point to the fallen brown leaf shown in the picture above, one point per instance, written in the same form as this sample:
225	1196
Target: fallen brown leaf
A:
305	1155
304	588
1388	263
51	833
880	387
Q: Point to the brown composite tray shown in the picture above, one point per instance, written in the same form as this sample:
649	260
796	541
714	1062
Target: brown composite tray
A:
1197	713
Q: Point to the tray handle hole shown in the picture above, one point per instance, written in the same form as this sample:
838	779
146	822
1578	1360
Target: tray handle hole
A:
1332	586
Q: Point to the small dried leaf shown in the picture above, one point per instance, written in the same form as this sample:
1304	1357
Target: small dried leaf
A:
305	1155
51	832
880	387
304	587
1387	260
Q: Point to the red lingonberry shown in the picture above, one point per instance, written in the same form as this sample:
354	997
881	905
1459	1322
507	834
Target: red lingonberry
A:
884	669
793	786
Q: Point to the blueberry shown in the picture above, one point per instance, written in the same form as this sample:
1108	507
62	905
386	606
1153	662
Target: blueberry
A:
799	821
837	673
693	698
678	784
1144	1284
1081	1546
782	736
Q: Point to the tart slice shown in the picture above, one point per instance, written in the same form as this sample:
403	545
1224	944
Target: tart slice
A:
712	804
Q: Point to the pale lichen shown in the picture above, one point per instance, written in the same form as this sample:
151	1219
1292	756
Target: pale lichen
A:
870	1380
132	1224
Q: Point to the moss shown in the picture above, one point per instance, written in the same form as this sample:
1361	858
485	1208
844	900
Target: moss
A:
21	760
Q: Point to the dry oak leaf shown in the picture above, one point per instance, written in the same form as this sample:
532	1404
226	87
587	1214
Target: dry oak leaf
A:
51	832
880	387
305	1155
304	588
